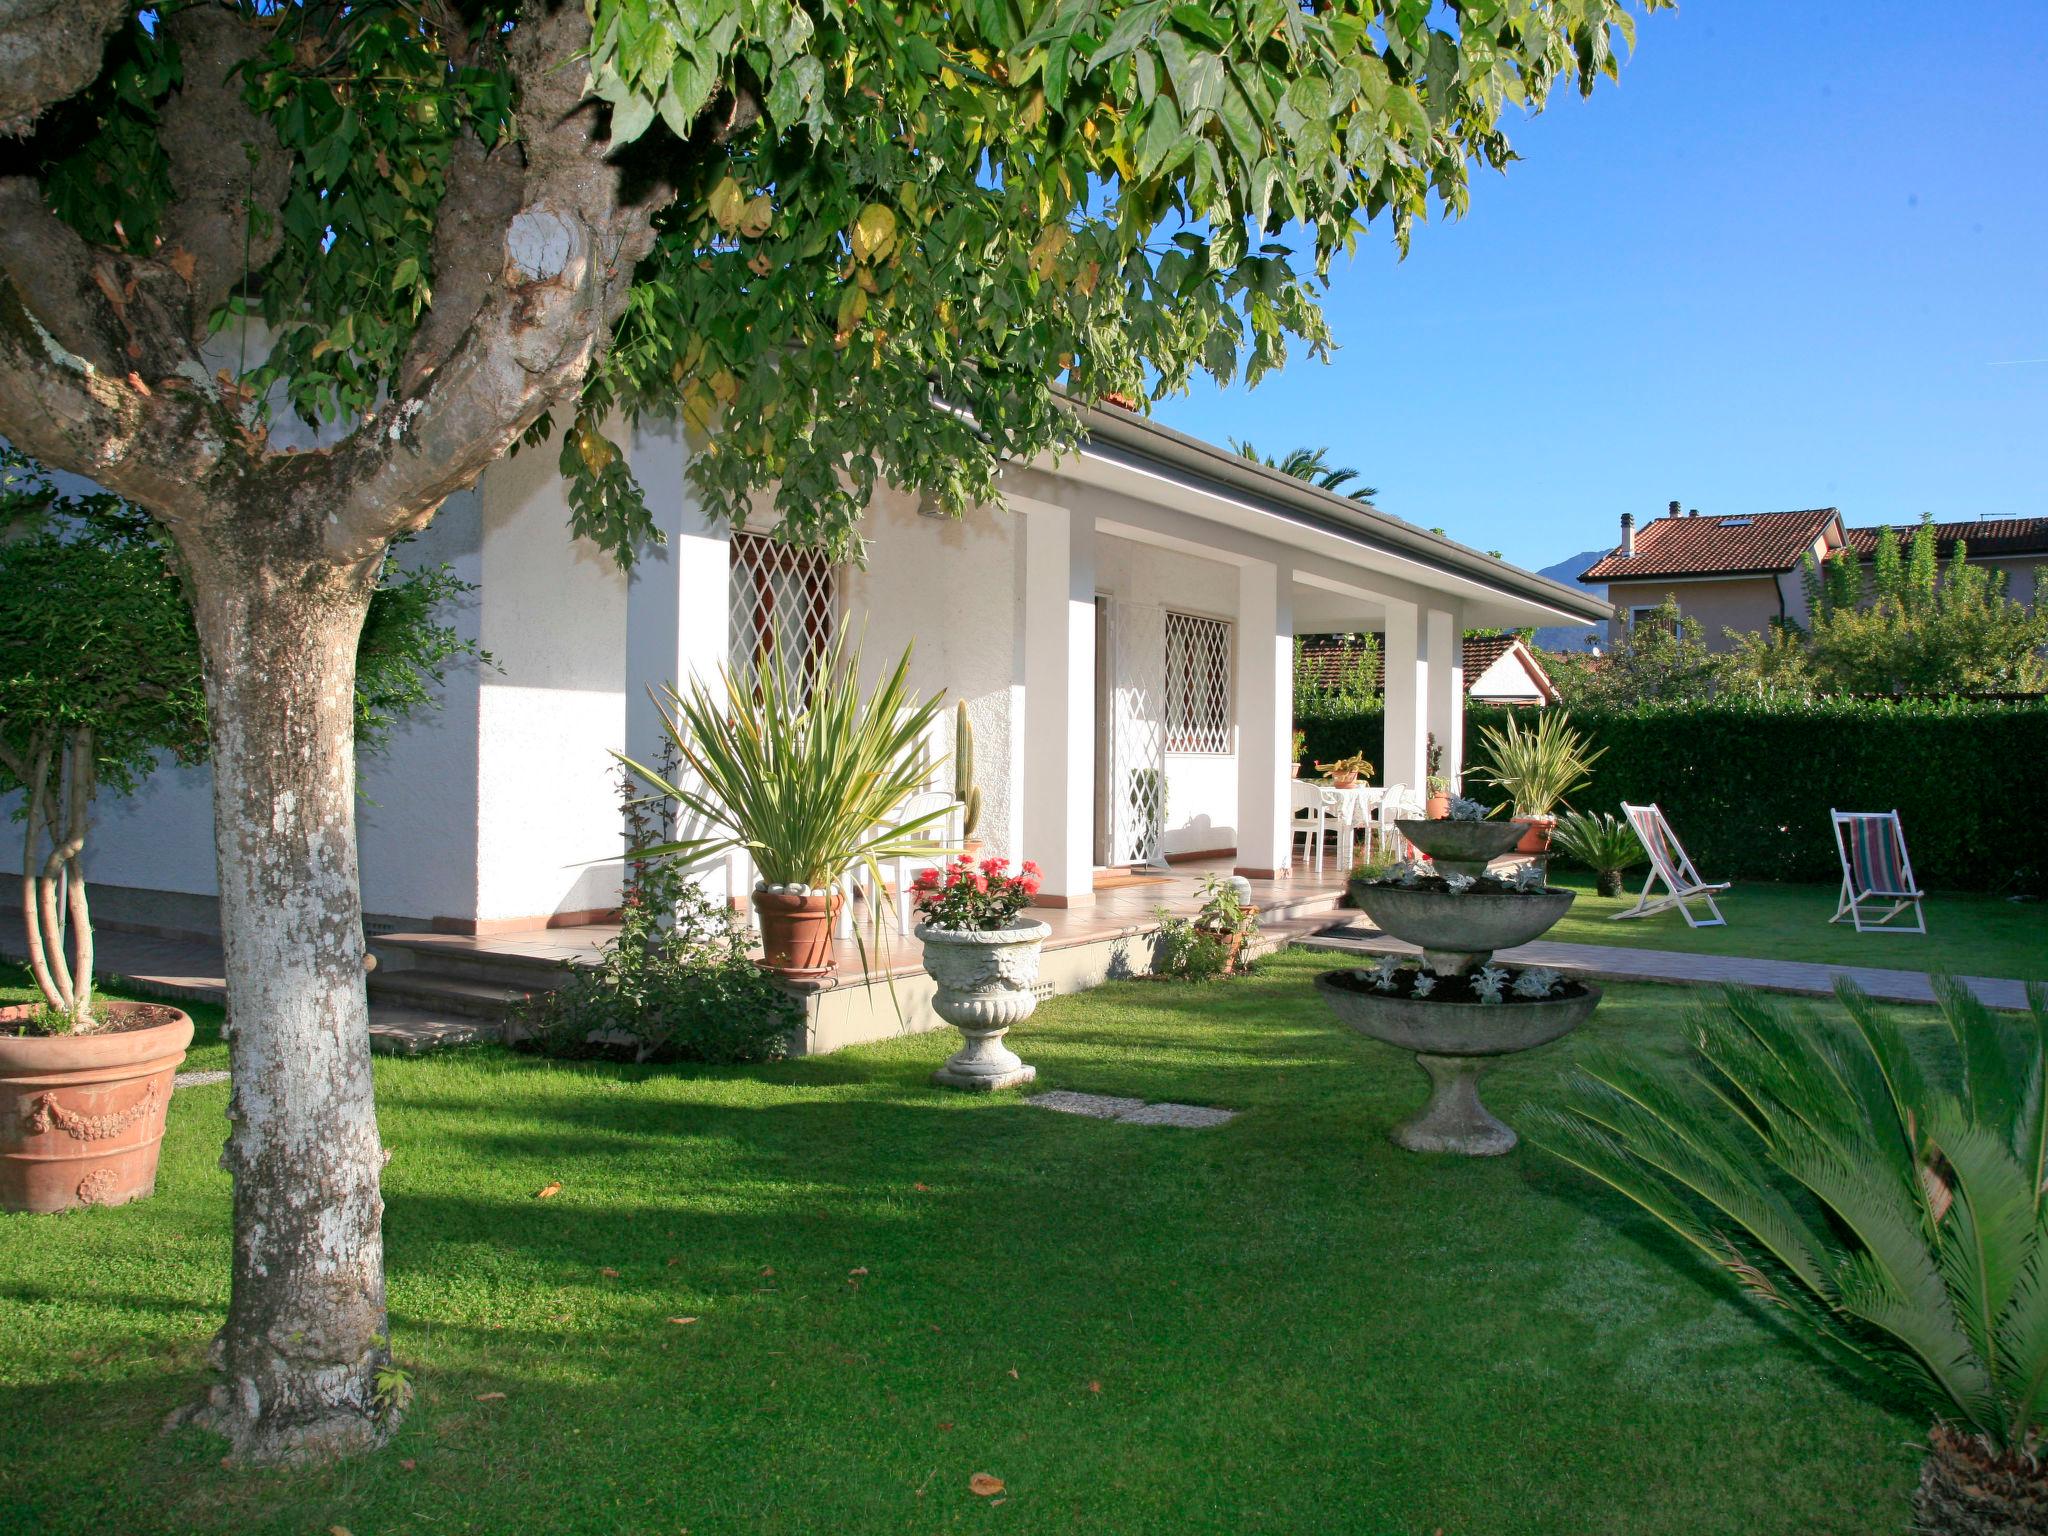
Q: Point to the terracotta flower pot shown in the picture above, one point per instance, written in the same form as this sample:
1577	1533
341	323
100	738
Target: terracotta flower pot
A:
1536	839
82	1116
796	933
1438	807
1232	940
1345	778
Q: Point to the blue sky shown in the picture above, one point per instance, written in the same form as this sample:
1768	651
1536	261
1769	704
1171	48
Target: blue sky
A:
1798	257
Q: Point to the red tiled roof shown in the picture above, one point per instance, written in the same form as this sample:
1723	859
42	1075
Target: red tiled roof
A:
1766	542
1331	662
1986	537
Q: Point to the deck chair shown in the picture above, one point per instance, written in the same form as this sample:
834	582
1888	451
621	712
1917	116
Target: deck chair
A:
1669	863
1876	870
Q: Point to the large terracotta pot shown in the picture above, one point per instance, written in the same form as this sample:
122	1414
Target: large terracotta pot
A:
1536	833
1438	806
82	1116
796	933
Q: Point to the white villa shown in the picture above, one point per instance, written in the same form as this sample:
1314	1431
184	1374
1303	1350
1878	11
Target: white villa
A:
1133	607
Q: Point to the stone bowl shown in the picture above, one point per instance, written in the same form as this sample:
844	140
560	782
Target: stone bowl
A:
1474	922
1459	1028
1461	847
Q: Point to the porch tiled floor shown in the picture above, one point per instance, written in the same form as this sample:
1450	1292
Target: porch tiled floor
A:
1119	911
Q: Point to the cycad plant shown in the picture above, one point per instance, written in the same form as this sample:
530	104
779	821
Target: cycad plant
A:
800	767
1539	767
1601	841
1880	1186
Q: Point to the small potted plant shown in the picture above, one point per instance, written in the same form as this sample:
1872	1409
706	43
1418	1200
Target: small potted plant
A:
1603	842
1539	768
1346	771
1438	805
983	962
806	773
1228	917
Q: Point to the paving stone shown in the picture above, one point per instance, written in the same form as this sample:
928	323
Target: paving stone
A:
1097	1106
197	1079
413	1032
1192	1116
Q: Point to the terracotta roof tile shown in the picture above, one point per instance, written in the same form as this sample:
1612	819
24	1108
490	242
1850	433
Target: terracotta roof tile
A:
1712	546
1986	537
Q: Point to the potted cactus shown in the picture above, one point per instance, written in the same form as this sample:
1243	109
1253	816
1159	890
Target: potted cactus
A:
1347	771
965	790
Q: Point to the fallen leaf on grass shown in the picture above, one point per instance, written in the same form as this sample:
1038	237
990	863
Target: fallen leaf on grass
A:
981	1483
853	1272
674	1259
945	1426
490	1397
1013	1374
767	1269
339	1530
922	1189
408	1464
609	1273
548	1191
1094	1386
682	1322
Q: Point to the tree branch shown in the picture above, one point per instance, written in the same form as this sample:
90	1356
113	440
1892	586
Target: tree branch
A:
225	163
50	50
554	279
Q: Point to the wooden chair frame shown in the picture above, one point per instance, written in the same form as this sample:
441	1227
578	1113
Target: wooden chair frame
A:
1670	863
1853	899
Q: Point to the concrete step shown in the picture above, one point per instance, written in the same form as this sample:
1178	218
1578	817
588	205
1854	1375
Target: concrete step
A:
445	992
398	955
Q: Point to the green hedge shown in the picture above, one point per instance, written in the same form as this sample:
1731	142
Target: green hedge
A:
1748	785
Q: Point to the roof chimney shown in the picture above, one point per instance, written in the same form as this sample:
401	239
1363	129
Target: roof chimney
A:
1674	510
1695	512
1628	534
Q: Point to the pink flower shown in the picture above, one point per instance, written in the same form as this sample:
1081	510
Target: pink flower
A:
1030	867
981	883
927	879
994	866
1030	884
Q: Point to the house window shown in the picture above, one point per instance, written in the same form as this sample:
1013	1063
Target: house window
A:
785	607
1197	684
1642	615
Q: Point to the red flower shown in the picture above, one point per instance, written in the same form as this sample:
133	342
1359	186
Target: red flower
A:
1030	867
981	883
1030	883
927	879
994	866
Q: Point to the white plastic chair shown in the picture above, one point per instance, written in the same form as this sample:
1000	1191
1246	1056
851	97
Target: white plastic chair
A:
945	834
1396	803
1311	818
1669	863
1876	869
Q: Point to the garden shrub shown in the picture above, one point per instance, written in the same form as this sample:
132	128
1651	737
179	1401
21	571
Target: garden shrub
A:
1747	784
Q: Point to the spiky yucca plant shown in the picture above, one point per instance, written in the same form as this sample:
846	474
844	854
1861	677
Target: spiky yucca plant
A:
1601	841
801	767
1883	1188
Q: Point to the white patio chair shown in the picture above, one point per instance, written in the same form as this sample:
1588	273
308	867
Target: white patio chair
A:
1876	869
1397	802
944	835
1669	863
1311	819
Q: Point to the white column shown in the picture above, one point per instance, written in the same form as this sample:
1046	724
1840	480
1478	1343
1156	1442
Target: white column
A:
1265	718
1057	827
1444	639
1406	662
678	597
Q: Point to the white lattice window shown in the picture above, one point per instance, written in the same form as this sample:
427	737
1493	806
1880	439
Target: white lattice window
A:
1197	684
785	607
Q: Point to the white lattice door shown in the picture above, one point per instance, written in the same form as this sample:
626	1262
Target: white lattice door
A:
1136	732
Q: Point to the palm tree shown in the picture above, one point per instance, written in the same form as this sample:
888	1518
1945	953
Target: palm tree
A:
1310	464
1880	1190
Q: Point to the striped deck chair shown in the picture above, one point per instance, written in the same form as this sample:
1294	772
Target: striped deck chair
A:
1669	863
1876	870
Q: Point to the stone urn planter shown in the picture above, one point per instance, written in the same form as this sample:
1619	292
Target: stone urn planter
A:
1457	1011
82	1116
1460	847
796	931
986	981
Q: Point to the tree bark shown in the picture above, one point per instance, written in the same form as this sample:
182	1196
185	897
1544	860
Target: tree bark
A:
306	1332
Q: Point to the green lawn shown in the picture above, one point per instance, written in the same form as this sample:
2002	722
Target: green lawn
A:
1967	934
1282	1325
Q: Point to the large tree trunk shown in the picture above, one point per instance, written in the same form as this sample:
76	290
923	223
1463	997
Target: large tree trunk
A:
305	1333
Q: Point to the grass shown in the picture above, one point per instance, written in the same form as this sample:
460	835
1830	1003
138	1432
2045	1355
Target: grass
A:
1281	1325
1968	934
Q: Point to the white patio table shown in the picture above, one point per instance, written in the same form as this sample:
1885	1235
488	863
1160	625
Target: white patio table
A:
1351	809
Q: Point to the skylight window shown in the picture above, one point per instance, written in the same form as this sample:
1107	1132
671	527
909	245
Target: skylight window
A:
1737	522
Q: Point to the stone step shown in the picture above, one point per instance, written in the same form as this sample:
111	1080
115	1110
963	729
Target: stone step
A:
444	992
398	955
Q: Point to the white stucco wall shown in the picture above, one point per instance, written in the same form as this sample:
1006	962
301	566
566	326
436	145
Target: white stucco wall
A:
553	710
948	589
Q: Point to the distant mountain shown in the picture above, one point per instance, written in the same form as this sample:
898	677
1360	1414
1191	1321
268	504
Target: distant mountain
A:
1570	637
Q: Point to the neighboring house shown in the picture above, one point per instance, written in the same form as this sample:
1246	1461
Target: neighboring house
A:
1729	573
1497	669
2017	546
1743	573
1131	610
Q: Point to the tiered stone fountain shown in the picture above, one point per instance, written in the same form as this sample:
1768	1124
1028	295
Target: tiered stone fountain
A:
1457	1011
